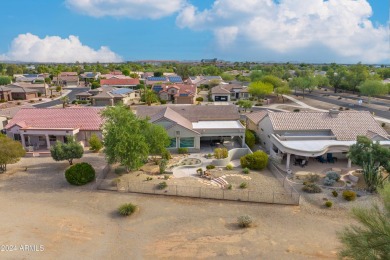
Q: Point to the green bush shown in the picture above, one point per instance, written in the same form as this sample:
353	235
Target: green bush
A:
220	153
244	221
255	161
243	185
229	187
162	165
166	155
162	185
80	174
166	177
127	209
250	138
311	188
383	124
182	150
210	167
200	99
328	204
349	195
245	171
335	193
312	177
95	144
163	102
296	110
229	167
328	182
149	178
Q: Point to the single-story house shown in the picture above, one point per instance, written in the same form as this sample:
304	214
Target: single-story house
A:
177	93
120	82
67	79
109	96
195	126
229	92
42	88
42	127
171	79
313	134
203	80
90	76
14	92
29	78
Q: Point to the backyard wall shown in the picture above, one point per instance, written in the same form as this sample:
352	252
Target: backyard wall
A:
233	154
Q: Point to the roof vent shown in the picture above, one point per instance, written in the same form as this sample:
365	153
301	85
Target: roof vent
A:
334	112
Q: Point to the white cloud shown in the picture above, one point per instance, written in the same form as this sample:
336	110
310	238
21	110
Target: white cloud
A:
135	9
340	27
29	47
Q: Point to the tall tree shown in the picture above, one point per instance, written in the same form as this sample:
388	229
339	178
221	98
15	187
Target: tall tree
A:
256	75
149	97
371	238
4	80
260	89
245	104
128	139
10	152
372	88
283	90
336	77
371	156
183	71
67	151
273	80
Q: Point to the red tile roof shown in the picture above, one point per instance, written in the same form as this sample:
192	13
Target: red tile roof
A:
83	118
119	82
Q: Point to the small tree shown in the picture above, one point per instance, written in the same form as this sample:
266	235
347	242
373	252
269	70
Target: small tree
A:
94	143
10	152
250	138
149	97
245	104
163	165
283	90
220	153
372	88
370	239
260	89
65	100
256	161
67	151
5	80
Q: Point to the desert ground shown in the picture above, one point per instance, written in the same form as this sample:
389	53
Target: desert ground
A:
40	208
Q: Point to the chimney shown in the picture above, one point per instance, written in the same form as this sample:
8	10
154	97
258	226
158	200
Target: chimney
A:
333	112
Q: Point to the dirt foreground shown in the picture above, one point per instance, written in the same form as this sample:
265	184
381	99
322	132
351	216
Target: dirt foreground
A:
40	208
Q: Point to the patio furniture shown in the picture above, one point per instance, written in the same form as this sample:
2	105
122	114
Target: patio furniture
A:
298	161
303	163
320	159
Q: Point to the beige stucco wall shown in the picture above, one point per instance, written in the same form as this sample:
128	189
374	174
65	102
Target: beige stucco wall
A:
266	133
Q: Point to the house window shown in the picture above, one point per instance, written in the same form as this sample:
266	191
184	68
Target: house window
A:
52	138
173	143
187	142
41	138
17	137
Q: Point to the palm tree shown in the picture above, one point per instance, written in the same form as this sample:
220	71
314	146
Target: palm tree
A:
65	100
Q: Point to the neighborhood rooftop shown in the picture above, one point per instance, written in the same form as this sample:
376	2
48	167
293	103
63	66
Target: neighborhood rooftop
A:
82	118
194	113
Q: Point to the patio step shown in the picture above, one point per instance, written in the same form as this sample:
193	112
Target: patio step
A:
220	181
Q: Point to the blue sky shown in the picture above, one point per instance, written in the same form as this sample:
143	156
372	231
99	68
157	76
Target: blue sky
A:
247	30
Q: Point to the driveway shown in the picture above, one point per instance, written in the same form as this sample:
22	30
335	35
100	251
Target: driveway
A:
72	96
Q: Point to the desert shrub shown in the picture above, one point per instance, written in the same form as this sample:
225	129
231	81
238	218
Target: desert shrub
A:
229	167
39	94
210	167
296	110
349	195
335	193
220	153
229	187
95	144
333	176
243	185
255	161
166	177
200	99
162	185
2	100
312	177
199	171
244	221
163	102
245	171
328	181
149	178
120	170
80	174
328	204
162	165
127	209
250	138
18	103
166	155
182	150
258	104
383	124
311	188
40	99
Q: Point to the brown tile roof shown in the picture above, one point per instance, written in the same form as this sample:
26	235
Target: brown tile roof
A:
256	117
195	113
83	118
68	73
173	116
219	90
119	82
346	126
